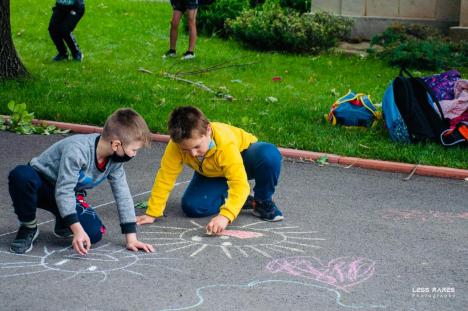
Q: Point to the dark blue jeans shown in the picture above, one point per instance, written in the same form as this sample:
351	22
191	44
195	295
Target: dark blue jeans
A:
63	21
29	191
205	195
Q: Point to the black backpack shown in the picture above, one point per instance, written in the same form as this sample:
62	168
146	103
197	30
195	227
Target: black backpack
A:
412	99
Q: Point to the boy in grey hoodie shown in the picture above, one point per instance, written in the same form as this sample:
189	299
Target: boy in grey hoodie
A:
57	181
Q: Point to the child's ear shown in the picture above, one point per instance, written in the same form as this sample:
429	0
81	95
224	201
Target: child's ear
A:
115	144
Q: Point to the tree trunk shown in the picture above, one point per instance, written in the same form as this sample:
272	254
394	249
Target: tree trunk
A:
10	64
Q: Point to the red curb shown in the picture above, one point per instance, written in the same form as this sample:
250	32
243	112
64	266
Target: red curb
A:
398	167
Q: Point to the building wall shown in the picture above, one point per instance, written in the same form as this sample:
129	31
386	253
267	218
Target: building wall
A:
373	16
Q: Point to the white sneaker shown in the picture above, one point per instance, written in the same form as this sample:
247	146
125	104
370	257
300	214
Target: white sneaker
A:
170	53
188	55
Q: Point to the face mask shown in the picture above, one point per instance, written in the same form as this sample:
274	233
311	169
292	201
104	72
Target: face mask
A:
120	159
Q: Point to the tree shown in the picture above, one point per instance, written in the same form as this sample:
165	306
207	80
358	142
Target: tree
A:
11	66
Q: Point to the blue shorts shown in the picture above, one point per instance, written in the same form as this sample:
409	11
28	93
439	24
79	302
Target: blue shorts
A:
183	5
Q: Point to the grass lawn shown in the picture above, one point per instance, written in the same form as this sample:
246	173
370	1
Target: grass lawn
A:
120	36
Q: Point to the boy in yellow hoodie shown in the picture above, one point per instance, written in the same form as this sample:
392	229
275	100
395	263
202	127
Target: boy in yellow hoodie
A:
224	158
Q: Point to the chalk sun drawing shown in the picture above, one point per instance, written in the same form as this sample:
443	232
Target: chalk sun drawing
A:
244	240
99	261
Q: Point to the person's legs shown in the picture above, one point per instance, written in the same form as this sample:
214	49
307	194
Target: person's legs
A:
57	16
204	195
173	34
192	26
66	27
262	163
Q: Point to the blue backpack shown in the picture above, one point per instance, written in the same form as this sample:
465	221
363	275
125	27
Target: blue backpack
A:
353	109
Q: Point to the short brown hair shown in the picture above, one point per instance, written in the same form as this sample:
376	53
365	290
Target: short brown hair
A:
184	120
126	125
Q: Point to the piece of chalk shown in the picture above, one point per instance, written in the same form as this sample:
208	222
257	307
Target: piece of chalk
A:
208	232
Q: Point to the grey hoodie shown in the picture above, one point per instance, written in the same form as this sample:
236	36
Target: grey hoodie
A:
71	165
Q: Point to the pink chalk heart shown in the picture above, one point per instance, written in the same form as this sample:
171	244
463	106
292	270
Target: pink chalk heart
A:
342	273
242	234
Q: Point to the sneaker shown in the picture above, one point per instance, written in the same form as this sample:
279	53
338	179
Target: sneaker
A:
188	55
249	203
62	231
24	240
267	210
60	57
78	57
170	53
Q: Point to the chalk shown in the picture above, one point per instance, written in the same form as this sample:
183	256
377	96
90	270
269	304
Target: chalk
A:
208	232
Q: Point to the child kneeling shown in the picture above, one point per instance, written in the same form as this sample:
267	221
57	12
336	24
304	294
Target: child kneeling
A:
57	181
224	158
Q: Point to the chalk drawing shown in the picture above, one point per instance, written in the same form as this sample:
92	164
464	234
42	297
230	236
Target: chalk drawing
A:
253	238
424	216
242	234
97	206
341	273
101	260
256	284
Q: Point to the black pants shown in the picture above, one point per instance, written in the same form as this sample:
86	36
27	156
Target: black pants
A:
63	21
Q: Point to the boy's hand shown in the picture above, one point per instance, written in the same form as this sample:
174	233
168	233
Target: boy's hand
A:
81	243
134	245
217	224
145	219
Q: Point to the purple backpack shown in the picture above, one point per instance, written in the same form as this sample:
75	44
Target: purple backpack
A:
442	84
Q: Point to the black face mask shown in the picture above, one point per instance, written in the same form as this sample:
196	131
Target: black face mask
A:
116	158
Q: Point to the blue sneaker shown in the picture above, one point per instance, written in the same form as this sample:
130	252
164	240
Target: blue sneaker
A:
267	210
249	203
24	240
60	57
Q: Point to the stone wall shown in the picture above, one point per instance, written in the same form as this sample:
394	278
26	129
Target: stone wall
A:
373	16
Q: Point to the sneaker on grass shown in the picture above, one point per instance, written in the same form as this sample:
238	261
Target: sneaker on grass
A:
60	57
24	240
78	57
267	210
170	53
188	55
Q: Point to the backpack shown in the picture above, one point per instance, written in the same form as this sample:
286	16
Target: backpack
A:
353	110
409	108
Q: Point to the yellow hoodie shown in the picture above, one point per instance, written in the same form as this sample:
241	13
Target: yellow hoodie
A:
223	160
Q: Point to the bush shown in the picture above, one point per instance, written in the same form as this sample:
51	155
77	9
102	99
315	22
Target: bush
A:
298	5
211	18
271	27
420	47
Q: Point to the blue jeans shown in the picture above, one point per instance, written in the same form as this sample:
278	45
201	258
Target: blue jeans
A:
29	191
205	195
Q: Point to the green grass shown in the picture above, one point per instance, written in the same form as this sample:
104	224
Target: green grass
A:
120	36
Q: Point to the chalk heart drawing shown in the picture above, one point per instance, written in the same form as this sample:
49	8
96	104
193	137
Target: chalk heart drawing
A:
260	238
342	273
424	216
101	260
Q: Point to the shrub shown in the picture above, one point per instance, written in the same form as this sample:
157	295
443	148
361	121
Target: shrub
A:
298	5
420	47
211	18
271	27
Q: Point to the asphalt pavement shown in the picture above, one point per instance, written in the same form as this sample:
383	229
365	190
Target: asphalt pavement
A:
352	239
